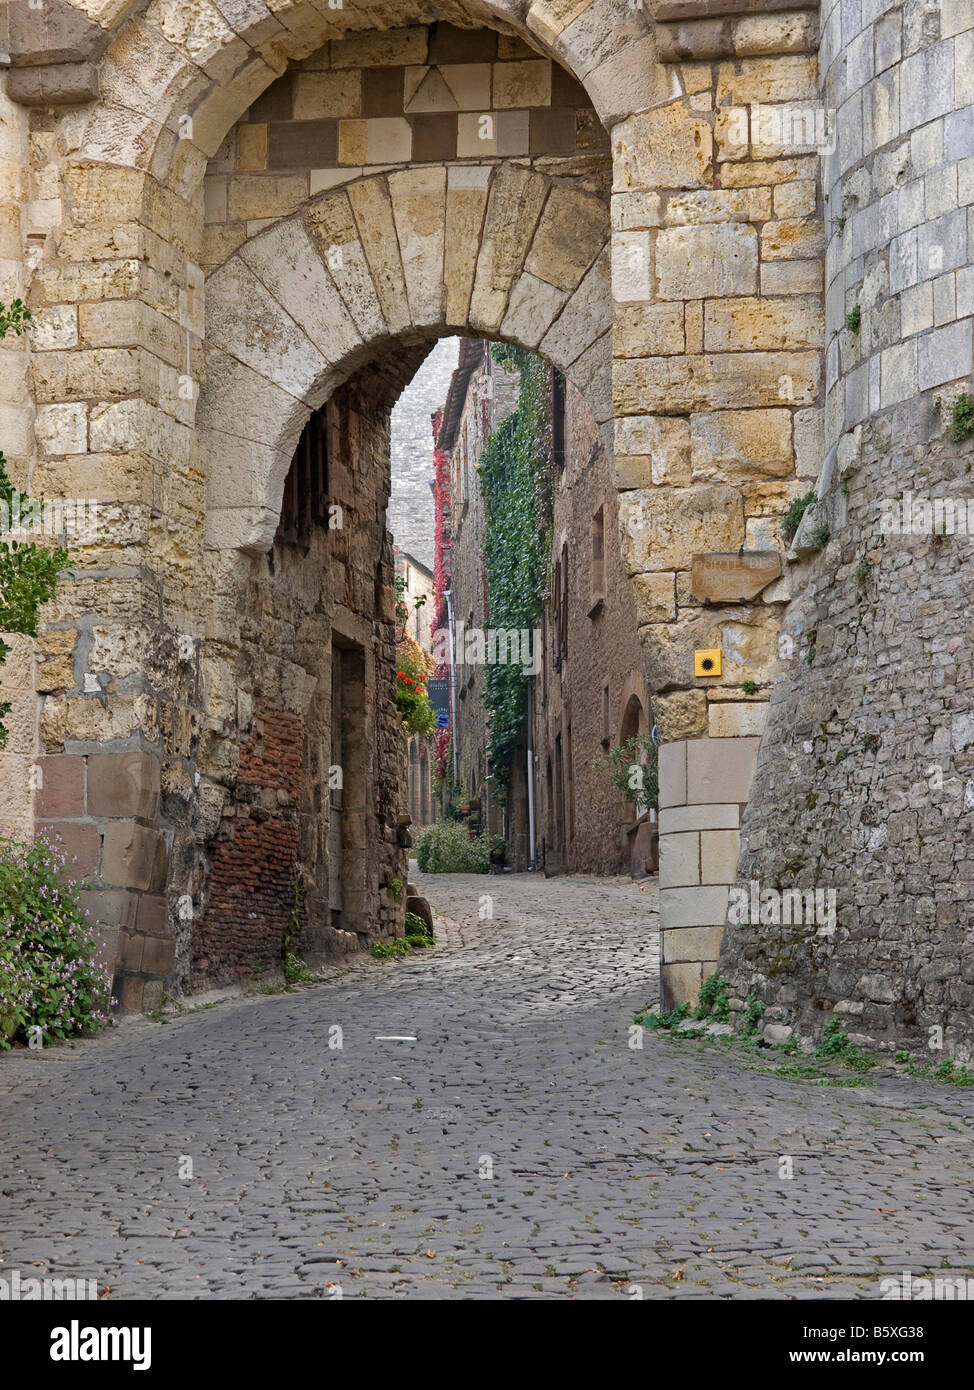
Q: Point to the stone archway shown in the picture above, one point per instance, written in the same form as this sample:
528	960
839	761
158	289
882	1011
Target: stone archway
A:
697	230
303	303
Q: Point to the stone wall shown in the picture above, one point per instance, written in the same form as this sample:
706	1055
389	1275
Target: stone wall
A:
481	396
254	819
864	782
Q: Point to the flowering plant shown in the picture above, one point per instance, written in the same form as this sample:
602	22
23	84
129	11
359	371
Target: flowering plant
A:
48	976
412	697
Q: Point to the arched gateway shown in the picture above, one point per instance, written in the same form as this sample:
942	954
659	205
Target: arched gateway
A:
241	217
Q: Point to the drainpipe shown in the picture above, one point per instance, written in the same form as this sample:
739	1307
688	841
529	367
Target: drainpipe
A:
532	863
448	595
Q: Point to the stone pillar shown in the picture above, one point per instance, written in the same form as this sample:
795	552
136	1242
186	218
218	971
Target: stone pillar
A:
704	785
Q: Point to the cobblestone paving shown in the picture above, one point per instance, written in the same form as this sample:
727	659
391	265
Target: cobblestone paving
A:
616	1172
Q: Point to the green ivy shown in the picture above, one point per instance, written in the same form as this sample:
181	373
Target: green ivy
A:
28	575
516	484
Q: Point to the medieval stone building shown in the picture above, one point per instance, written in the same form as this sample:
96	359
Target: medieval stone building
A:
417	595
590	694
481	395
587	690
743	235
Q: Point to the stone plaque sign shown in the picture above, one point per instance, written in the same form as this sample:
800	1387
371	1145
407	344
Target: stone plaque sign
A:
729	577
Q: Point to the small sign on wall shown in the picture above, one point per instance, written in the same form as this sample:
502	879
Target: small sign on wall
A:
733	577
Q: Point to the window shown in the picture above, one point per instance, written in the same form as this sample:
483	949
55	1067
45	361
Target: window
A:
558	392
563	606
598	558
305	500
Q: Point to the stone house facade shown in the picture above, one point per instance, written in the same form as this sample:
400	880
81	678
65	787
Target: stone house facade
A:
481	395
590	694
418	582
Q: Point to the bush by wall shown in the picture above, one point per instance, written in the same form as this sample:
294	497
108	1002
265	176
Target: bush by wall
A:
48	977
447	848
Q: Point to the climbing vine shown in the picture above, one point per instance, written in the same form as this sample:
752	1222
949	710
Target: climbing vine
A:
443	541
28	573
515	471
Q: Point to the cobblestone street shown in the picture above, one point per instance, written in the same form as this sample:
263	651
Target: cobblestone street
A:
615	1171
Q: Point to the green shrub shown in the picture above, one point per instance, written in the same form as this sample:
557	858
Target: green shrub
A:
48	976
416	927
389	950
961	417
753	1013
295	970
792	517
633	769
714	1001
447	848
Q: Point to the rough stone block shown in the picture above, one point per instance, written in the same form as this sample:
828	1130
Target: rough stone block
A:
680	714
661	530
77	840
668	147
702	261
123	784
720	770
522	84
679	860
62	429
743	325
672	776
319	95
736	445
655	598
62	789
571	233
651	450
134	857
647	330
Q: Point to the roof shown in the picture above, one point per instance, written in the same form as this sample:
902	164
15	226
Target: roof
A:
471	355
416	564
